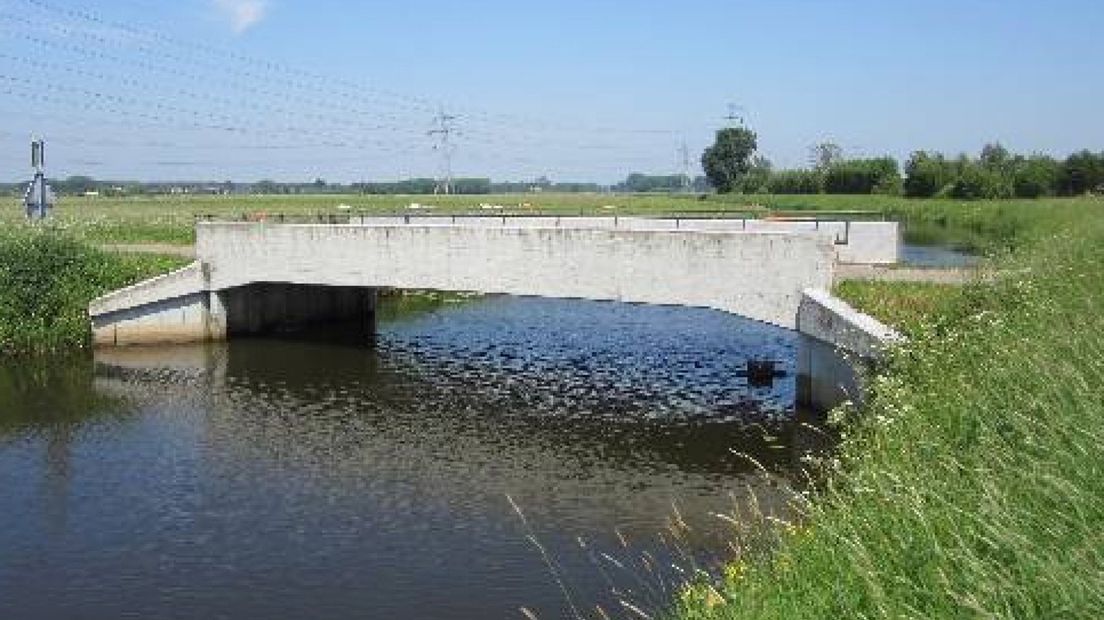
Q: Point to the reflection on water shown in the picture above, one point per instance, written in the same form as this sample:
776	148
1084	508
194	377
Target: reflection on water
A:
273	478
936	257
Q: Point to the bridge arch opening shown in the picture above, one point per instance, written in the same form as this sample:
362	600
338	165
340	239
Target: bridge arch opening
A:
809	372
280	307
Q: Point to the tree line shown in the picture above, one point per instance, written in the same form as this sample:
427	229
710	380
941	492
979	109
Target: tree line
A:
732	165
633	183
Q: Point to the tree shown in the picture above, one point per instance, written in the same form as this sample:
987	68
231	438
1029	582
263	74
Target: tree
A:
927	174
637	182
755	181
825	155
1083	172
1036	176
975	181
995	157
729	159
77	185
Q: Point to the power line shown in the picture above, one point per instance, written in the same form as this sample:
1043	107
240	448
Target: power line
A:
339	87
259	89
488	137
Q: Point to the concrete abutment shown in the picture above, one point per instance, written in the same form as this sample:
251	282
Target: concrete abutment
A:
252	309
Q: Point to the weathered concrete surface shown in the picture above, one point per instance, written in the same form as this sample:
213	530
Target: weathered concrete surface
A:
184	281
840	345
856	242
830	319
172	308
178	319
757	275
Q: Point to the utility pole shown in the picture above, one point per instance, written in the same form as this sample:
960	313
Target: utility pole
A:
39	198
443	131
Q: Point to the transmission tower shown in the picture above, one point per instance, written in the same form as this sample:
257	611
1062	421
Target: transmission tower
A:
39	198
443	130
735	116
684	158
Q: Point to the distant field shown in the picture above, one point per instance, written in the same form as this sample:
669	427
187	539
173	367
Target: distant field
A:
980	225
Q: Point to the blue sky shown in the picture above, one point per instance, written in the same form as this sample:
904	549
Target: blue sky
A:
285	89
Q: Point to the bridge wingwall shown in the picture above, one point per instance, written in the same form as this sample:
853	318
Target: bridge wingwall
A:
169	308
839	345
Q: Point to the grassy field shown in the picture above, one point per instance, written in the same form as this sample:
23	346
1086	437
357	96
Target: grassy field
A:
972	486
981	226
910	307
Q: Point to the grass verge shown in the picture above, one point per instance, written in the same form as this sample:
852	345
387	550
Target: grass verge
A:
47	279
906	306
973	483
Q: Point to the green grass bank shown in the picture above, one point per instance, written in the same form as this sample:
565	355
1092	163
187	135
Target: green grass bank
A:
973	483
47	279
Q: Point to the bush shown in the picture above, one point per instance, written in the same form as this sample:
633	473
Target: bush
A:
863	176
1082	173
927	175
794	182
47	280
975	182
1035	177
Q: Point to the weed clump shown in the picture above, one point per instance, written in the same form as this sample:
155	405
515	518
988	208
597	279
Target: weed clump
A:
47	279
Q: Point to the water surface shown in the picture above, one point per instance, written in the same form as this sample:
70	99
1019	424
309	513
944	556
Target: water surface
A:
296	478
937	256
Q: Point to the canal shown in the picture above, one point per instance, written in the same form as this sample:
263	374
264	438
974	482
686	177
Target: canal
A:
307	477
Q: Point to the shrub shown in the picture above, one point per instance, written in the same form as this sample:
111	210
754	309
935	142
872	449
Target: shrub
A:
47	280
1035	177
863	176
927	175
1083	172
975	182
794	182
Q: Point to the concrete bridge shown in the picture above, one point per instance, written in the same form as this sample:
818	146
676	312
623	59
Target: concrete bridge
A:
252	278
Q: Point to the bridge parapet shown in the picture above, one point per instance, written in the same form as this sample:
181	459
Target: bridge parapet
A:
856	241
759	275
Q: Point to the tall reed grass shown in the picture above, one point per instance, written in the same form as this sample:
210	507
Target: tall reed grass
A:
973	483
